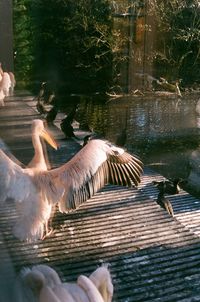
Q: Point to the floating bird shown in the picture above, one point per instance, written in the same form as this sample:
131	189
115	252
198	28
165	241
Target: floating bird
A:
43	283
165	203
170	187
37	191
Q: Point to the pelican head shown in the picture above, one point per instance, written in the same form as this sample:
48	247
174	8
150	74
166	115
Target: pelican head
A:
38	128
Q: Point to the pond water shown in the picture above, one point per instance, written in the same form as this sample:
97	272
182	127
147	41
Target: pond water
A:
162	130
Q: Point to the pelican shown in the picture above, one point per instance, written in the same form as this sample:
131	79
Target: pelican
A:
13	83
36	191
5	83
38	163
43	283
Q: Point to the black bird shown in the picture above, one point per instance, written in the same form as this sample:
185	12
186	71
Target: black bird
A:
91	136
170	187
67	128
41	91
39	98
40	107
165	203
66	123
87	138
71	116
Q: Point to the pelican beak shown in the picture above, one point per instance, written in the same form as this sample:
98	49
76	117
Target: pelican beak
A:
49	138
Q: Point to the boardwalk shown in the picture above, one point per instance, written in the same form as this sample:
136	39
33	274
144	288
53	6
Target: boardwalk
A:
152	256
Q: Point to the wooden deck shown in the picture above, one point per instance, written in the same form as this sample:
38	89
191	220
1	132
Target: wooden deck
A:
152	256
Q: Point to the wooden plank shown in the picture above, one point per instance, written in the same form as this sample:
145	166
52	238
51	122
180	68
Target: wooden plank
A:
152	256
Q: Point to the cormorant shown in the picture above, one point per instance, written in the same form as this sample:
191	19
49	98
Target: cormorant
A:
66	124
170	187
165	203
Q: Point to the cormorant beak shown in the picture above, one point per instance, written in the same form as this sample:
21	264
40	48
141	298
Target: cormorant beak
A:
49	138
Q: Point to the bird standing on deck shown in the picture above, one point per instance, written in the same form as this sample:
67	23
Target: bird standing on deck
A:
40	107
165	203
170	187
36	191
66	124
40	99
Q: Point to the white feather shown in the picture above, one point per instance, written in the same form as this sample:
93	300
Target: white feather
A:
36	190
5	83
45	285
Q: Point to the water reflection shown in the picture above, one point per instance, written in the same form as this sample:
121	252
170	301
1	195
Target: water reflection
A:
162	130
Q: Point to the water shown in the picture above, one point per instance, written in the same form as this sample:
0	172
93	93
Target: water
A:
162	130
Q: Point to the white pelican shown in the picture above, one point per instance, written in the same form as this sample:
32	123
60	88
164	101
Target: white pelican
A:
20	194
13	82
36	190
5	83
43	283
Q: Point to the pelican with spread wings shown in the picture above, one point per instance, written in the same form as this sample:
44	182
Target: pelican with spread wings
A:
36	190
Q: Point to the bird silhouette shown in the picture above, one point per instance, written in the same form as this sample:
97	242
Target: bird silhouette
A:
67	128
15	170
165	203
66	123
40	99
36	191
44	283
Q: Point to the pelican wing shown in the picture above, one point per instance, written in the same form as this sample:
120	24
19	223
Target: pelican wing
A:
31	205
95	165
14	183
6	150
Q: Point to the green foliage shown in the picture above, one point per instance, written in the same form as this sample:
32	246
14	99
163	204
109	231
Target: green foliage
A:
178	25
22	42
72	43
78	48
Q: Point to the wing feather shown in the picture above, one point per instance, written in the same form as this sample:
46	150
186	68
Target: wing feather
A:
14	183
95	165
32	205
